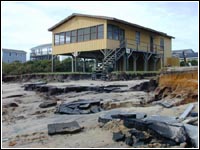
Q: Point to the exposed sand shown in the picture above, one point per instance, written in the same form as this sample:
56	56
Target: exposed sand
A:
26	125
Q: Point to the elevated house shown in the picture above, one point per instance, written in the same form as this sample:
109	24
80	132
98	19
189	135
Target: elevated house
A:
116	44
41	52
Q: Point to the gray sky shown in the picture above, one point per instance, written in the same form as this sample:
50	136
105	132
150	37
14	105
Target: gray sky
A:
25	24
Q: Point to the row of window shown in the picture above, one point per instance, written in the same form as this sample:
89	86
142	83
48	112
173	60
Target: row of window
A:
95	32
16	54
79	35
115	33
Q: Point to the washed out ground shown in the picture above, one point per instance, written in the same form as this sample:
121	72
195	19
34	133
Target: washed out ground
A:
25	126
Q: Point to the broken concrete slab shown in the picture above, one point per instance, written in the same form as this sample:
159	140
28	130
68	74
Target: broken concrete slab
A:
63	128
170	131
118	136
118	114
166	119
48	104
192	132
166	104
80	106
186	112
32	86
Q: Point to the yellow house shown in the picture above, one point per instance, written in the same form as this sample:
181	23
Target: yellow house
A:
116	44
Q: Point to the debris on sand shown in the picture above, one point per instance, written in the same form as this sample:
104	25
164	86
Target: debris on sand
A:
80	106
48	104
63	128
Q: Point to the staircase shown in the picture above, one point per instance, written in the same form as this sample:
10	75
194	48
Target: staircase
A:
111	59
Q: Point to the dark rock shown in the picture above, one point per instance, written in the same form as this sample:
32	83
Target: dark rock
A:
118	136
124	116
129	141
136	123
194	114
62	128
17	95
109	86
138	134
48	104
13	105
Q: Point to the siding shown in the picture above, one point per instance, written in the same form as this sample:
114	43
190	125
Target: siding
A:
7	58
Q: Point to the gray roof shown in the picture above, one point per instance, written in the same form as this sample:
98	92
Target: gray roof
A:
13	50
107	18
189	53
42	46
181	51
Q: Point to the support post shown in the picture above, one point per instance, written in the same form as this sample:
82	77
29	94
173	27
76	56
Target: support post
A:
155	63
125	62
146	57
83	64
72	63
75	64
135	58
52	63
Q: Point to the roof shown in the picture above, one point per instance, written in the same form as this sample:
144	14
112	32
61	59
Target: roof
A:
107	18
186	51
188	54
42	46
13	50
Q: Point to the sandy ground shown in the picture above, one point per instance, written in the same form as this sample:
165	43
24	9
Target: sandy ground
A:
26	125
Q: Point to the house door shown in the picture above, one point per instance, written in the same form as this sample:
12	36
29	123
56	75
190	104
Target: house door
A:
151	43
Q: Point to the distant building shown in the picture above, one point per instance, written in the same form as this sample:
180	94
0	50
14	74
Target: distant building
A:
189	54
41	52
11	55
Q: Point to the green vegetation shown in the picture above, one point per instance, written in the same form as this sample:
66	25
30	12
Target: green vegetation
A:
44	67
192	62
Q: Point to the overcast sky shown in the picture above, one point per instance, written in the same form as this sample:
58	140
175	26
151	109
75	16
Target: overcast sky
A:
25	24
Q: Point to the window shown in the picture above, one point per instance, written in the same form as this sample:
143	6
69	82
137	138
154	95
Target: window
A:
109	35
115	33
100	31
74	36
137	37
16	54
62	38
121	34
161	43
93	33
56	39
9	54
67	37
80	35
87	34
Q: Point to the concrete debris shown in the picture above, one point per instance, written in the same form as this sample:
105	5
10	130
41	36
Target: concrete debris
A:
192	132
80	107
117	114
63	128
186	112
48	104
118	136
